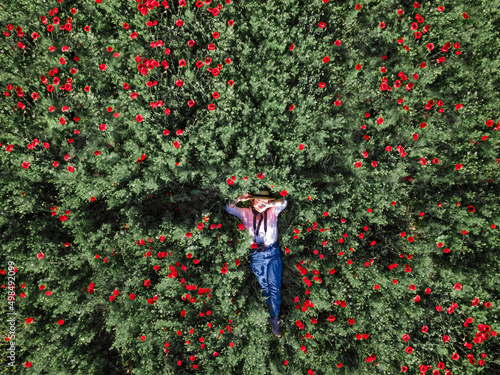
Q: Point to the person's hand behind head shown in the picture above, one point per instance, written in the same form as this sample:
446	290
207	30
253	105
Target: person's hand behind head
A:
245	197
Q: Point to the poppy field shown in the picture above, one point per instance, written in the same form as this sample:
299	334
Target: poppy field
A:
127	126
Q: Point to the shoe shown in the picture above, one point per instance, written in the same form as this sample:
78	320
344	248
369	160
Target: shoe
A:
274	326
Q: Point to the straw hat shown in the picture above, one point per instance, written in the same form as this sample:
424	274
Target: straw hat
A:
264	195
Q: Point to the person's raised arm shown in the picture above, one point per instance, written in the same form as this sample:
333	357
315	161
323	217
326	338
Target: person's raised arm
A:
278	203
231	207
241	198
233	203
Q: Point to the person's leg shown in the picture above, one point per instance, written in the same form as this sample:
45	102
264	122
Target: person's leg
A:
258	264
274	271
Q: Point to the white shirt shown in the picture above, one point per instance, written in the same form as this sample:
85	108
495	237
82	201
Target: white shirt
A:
246	216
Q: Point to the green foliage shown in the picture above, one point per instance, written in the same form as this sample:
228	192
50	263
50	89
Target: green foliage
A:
372	238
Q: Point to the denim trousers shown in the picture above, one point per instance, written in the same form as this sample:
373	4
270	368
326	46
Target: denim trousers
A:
268	266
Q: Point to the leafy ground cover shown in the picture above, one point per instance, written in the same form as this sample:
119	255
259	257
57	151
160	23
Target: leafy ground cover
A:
127	126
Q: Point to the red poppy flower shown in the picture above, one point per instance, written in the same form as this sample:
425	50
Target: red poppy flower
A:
139	118
446	338
409	350
60	322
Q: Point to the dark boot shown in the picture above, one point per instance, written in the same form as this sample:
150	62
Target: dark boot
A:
275	326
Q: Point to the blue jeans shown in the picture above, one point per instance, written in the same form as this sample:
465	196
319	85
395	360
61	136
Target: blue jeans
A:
268	266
